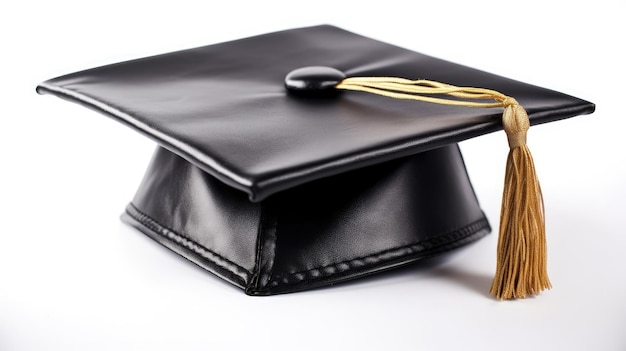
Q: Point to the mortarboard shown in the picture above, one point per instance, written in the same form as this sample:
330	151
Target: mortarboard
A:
271	175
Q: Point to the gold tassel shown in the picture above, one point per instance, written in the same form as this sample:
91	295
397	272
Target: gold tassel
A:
521	268
521	259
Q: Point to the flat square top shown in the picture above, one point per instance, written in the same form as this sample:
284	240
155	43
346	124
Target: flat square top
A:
224	107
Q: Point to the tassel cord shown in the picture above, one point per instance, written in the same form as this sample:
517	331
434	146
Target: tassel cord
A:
521	256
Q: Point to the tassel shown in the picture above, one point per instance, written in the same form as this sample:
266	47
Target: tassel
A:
521	260
521	268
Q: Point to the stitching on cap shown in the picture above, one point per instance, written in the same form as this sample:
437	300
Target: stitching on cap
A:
317	272
372	259
186	242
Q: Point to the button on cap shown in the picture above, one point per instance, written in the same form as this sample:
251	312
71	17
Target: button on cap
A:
314	81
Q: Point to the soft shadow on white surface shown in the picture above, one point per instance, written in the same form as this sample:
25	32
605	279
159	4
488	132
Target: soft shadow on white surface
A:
473	282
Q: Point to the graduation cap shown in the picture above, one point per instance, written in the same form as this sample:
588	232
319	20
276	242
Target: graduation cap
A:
300	158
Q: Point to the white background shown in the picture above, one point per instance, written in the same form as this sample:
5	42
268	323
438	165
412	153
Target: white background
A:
73	277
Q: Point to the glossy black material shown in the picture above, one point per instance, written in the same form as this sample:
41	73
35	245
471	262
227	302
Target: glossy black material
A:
278	193
314	81
323	232
224	107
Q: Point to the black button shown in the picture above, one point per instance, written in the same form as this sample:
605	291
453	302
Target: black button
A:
314	81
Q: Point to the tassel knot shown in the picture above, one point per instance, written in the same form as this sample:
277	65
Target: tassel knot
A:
515	122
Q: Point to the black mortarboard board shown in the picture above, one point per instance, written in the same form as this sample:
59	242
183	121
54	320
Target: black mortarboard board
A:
276	189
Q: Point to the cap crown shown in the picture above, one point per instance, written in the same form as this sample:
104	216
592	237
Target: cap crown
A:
224	107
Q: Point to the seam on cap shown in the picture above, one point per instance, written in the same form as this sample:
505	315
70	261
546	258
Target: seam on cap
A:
319	272
187	243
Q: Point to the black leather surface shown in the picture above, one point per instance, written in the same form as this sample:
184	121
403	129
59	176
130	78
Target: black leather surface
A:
326	231
224	107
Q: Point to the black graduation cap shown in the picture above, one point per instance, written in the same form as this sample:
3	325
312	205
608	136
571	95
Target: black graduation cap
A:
272	176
